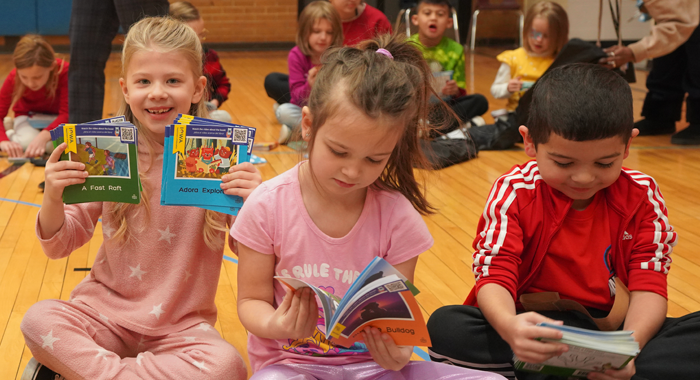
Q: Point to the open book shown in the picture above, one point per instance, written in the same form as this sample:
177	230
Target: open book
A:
380	297
589	351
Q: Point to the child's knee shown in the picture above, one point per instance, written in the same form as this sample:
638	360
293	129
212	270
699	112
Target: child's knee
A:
232	365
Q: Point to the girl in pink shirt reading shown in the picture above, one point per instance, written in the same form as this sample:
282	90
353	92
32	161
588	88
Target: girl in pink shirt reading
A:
146	311
324	220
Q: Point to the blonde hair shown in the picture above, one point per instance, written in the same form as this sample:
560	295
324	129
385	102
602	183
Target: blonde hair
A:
558	24
184	11
163	34
33	50
315	11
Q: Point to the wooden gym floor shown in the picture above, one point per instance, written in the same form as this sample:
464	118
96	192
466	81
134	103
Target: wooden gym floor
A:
443	273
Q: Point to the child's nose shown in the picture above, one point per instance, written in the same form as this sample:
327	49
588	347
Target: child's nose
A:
583	177
157	91
351	170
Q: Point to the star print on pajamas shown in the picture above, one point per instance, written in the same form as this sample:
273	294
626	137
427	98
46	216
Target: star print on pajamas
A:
157	311
49	340
165	234
137	272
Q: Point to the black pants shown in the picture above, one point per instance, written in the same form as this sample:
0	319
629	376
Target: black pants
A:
671	77
277	87
93	25
461	336
466	107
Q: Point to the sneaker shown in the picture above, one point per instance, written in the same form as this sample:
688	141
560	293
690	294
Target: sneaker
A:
41	185
274	107
654	128
38	371
478	121
285	134
688	136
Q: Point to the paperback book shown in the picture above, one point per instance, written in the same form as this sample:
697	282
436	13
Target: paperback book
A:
197	154
440	79
589	351
108	148
380	297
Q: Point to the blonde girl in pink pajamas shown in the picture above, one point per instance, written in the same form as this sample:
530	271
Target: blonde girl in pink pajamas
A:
146	311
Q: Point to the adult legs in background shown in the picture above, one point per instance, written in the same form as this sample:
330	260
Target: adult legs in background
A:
76	341
691	85
277	87
93	25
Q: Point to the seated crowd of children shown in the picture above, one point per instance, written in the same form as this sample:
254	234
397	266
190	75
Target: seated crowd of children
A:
571	221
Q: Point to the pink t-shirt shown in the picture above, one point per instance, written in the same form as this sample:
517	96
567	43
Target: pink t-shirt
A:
274	221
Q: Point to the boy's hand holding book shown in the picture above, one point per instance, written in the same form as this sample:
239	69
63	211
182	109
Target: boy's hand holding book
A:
522	334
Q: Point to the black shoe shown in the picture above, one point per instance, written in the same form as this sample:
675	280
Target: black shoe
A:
688	136
653	128
41	185
38	371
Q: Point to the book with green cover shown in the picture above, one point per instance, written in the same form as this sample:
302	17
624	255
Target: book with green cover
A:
108	148
589	351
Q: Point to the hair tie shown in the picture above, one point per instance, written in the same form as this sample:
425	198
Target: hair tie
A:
385	52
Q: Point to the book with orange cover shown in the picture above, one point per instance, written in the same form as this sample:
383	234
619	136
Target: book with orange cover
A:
380	297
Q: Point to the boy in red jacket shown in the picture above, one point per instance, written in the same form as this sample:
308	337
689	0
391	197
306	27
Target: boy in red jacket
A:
575	222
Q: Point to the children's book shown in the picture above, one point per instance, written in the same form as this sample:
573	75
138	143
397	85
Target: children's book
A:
380	297
197	153
589	351
108	148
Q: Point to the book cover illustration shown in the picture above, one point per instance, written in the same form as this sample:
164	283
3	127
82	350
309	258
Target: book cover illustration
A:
108	148
380	297
197	154
589	351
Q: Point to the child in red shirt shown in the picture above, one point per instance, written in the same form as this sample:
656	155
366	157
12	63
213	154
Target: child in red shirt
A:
38	88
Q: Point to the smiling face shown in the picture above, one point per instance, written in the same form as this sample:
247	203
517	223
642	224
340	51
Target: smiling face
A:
158	86
34	77
579	169
350	150
432	20
539	40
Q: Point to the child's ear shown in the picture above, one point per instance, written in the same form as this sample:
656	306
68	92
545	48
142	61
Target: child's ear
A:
529	146
199	87
414	20
635	133
306	121
125	91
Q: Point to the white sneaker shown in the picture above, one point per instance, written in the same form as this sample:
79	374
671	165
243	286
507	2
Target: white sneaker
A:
478	121
285	134
275	106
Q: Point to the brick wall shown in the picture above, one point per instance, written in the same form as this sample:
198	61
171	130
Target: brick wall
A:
248	20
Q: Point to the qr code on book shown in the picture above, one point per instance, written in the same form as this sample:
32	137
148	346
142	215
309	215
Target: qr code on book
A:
533	366
396	286
240	135
127	134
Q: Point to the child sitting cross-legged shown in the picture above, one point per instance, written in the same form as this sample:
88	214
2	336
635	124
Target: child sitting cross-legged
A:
433	17
575	222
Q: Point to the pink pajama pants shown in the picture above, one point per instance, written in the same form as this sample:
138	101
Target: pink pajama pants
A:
76	341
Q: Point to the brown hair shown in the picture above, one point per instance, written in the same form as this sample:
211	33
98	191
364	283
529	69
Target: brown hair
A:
315	11
163	34
184	11
33	50
558	24
381	87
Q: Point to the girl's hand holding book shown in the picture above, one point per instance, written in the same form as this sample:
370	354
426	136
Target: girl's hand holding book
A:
60	174
384	351
515	85
241	180
296	317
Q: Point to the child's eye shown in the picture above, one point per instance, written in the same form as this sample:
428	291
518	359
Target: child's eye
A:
371	161
143	81
563	165
339	154
173	80
605	166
